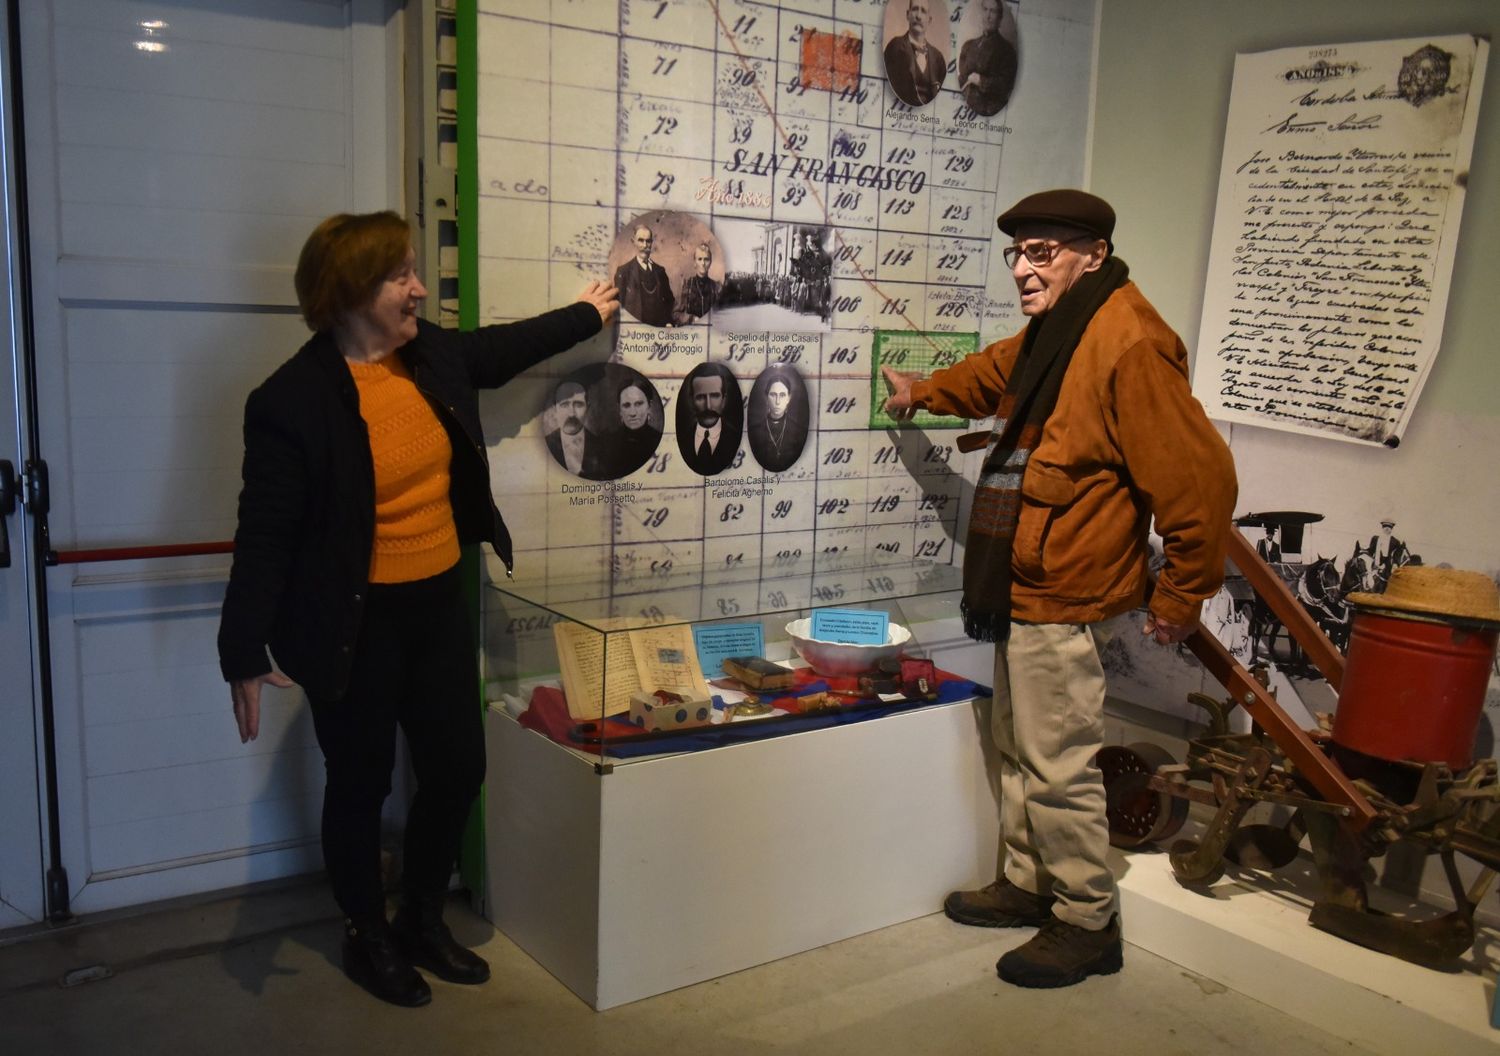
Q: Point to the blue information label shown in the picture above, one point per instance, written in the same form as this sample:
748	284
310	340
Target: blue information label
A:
854	626
716	641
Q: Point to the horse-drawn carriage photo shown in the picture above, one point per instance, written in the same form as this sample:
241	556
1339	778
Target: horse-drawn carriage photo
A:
1321	585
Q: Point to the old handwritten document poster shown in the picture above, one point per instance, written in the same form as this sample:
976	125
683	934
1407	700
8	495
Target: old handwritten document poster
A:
1340	198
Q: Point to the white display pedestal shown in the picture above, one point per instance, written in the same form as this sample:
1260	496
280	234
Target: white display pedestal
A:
1253	936
676	869
682	868
1249	931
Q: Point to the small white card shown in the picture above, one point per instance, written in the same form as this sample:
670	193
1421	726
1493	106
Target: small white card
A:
851	626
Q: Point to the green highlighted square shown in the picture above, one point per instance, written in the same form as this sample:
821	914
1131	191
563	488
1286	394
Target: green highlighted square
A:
922	352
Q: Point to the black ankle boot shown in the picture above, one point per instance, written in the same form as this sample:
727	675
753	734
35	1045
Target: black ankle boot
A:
372	960
422	936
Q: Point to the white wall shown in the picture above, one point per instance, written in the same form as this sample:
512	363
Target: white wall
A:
178	154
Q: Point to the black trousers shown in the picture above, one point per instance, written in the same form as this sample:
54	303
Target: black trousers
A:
414	666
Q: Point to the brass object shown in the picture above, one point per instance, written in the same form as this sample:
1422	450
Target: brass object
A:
817	702
752	706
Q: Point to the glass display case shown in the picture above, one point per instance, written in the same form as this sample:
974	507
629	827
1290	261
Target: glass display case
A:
614	850
628	662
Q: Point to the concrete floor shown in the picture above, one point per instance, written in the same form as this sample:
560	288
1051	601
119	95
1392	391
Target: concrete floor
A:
258	974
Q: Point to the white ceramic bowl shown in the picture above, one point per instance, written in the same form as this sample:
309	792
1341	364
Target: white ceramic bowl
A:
845	658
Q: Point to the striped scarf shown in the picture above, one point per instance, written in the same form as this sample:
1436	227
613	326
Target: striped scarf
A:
1030	396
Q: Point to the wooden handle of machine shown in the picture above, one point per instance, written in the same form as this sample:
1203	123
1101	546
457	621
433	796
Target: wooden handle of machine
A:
1321	772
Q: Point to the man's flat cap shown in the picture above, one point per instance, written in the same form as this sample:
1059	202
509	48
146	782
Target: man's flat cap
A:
1079	209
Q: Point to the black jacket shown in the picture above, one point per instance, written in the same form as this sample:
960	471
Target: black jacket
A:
307	508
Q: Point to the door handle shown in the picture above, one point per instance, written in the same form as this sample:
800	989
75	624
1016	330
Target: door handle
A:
8	492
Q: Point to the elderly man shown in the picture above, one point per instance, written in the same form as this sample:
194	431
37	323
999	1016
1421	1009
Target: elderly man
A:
1096	432
645	291
915	67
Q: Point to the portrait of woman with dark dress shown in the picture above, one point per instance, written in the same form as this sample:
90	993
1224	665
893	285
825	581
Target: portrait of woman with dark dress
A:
987	60
777	418
637	437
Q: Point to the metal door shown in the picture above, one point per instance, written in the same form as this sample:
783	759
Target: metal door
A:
21	887
175	157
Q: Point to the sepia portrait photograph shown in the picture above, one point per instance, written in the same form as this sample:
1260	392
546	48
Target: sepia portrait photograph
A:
917	48
988	56
710	418
668	268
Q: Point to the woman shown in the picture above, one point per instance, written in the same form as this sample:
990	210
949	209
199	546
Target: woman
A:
636	438
364	471
778	420
987	63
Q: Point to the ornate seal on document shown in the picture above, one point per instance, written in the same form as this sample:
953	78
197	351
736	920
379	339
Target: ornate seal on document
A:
1424	75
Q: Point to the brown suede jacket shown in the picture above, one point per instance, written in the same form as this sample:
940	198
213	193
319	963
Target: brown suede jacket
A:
1127	441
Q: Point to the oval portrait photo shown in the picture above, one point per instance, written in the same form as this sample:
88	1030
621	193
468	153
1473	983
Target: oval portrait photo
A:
776	418
987	58
710	418
668	268
603	421
917	47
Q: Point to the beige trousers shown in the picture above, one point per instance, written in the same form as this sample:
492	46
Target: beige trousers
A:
1048	724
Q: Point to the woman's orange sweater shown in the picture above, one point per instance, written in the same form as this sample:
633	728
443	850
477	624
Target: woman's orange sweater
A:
415	536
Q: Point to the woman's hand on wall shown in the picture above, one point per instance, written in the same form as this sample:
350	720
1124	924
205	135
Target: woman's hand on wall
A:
604	297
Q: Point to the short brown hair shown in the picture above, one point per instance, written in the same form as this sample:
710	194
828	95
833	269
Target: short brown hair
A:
344	261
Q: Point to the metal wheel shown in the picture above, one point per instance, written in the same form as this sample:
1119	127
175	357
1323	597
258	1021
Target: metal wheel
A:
1136	813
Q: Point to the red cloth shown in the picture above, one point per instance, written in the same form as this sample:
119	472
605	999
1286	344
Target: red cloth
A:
548	713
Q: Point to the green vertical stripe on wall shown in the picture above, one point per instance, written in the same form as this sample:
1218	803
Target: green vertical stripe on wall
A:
467	25
471	854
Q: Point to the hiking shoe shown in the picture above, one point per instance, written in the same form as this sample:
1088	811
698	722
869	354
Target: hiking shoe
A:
999	905
1061	954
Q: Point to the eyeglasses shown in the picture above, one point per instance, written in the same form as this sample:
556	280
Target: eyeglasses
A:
1039	254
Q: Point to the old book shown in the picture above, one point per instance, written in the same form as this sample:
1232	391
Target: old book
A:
600	672
758	673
